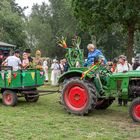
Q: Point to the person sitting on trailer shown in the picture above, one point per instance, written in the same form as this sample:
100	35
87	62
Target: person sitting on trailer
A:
13	61
38	60
28	52
25	61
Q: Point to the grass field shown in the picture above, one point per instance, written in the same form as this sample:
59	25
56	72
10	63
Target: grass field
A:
47	120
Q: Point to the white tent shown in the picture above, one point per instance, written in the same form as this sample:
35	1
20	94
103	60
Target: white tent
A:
3	44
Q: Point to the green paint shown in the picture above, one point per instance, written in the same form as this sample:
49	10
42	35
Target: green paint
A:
22	79
105	82
73	55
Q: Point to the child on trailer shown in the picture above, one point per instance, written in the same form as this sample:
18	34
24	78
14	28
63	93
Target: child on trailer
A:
25	61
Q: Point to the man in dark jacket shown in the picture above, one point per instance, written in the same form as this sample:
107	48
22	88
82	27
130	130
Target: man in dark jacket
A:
136	64
66	65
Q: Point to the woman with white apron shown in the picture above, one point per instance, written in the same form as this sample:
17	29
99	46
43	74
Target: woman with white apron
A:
45	68
55	67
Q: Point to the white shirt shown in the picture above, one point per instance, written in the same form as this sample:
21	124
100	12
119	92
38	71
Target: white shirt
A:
45	64
14	62
122	68
55	66
138	68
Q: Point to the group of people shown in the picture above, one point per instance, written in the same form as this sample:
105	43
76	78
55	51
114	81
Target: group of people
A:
57	68
16	63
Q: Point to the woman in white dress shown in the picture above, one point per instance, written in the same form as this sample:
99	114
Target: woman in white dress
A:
45	68
55	67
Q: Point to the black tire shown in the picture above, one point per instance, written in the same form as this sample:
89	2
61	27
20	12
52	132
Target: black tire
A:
78	97
62	86
32	96
134	110
103	103
9	98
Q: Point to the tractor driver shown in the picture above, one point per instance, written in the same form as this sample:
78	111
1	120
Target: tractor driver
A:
93	54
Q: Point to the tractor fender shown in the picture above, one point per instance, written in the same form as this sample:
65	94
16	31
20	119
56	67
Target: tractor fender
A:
72	73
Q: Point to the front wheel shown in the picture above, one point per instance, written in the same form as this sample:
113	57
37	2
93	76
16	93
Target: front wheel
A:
9	98
134	110
78	96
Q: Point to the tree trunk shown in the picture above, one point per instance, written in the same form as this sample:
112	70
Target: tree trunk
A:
130	45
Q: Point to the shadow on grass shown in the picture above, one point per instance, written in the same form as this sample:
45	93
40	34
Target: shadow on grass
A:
50	104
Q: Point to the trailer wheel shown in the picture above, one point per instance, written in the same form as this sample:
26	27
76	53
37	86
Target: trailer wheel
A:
134	110
103	103
78	96
33	96
9	98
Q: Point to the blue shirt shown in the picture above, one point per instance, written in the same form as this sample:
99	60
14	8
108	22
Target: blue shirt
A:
92	56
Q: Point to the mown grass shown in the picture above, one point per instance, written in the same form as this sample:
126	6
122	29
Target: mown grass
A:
47	120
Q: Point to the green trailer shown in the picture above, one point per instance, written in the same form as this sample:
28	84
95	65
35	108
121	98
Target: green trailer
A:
21	83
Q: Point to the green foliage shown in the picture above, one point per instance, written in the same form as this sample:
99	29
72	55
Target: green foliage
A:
99	16
137	42
11	23
48	21
38	28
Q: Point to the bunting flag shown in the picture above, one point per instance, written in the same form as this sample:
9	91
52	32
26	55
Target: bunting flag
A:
42	73
23	74
9	81
9	78
2	74
14	75
33	75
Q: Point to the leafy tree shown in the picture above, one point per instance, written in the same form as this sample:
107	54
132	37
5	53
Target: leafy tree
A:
137	43
11	23
46	22
63	23
38	28
98	16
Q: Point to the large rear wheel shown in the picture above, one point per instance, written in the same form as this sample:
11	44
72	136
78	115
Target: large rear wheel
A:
134	110
78	96
103	103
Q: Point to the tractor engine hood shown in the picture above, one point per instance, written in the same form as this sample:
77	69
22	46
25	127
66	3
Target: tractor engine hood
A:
128	74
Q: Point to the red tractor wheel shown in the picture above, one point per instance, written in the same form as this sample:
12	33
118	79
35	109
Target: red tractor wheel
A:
9	98
78	96
103	103
134	110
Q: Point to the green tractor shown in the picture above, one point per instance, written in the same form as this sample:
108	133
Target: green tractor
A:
85	89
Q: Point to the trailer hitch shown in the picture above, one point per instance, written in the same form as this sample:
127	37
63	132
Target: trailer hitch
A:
41	93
